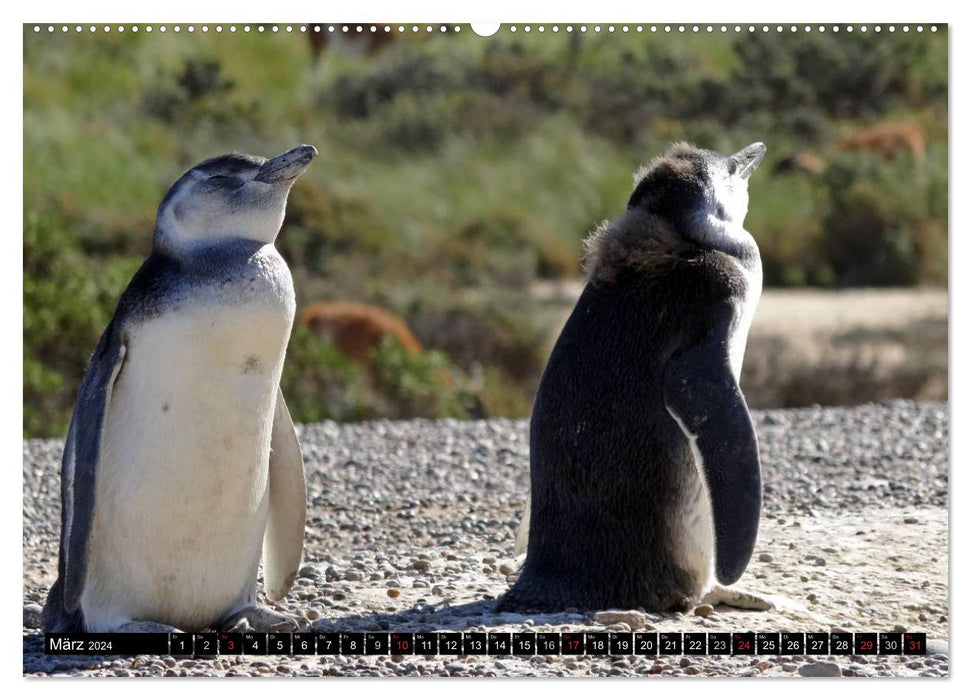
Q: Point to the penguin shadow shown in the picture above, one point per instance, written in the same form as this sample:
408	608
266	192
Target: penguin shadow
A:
443	616
426	617
420	617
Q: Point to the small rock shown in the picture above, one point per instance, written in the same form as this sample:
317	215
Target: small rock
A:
632	618
353	575
704	610
820	669
393	592
309	571
766	557
32	616
789	668
911	520
937	646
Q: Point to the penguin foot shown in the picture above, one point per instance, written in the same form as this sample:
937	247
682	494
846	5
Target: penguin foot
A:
258	618
147	626
722	595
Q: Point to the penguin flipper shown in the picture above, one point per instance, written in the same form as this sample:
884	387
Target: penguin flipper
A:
79	465
702	395
287	518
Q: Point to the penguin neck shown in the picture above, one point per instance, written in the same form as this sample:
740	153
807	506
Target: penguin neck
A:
236	246
729	237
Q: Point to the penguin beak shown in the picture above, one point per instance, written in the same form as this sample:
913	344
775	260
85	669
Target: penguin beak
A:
748	159
286	166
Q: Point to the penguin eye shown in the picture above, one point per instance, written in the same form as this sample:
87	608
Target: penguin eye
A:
732	167
223	181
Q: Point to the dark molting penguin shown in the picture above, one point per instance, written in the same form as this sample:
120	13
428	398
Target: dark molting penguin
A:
645	476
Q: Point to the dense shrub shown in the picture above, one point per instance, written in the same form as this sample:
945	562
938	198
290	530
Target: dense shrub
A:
68	300
199	94
879	227
320	383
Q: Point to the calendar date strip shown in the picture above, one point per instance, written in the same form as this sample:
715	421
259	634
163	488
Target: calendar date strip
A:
491	644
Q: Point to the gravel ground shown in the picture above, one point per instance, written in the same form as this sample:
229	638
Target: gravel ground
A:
411	527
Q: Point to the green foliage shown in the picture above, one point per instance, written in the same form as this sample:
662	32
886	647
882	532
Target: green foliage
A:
881	228
68	300
320	383
199	95
419	384
455	173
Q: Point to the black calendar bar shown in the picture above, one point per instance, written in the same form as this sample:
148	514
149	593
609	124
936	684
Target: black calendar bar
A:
491	644
106	644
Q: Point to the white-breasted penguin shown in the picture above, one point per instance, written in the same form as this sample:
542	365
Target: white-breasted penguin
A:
181	464
644	464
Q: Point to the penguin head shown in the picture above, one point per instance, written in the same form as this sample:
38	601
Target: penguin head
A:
703	194
233	196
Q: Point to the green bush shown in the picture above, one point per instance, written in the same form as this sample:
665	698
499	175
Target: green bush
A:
68	301
879	229
422	384
320	383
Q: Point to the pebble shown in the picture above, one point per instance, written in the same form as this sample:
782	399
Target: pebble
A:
33	616
704	610
765	557
820	669
632	618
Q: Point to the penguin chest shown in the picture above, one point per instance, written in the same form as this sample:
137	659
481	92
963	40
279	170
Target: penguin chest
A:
182	484
696	546
745	306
